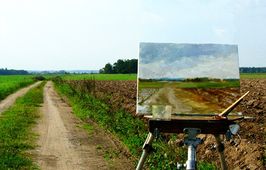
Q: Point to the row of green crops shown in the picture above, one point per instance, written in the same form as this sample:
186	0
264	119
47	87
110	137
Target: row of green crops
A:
100	76
16	136
9	84
252	75
131	130
133	76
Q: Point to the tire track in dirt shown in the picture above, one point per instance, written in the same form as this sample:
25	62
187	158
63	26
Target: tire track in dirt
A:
10	100
62	144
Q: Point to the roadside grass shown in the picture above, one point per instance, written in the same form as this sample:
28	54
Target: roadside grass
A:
100	76
253	75
131	130
16	136
11	83
89	128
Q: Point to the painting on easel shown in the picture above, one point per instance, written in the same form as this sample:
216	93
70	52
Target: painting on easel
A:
187	78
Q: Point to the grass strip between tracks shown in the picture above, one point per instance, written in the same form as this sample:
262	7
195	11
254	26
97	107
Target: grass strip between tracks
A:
16	135
129	129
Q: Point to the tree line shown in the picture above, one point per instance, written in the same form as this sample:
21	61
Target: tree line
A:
252	69
12	72
121	67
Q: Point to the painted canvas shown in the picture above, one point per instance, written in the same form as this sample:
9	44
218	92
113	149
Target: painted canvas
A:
189	78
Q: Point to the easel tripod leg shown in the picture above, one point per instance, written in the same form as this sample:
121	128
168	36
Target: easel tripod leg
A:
191	162
146	150
220	148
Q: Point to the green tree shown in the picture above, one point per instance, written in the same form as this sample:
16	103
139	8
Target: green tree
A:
121	67
132	66
108	69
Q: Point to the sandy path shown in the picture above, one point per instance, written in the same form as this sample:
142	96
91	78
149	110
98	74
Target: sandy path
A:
10	100
62	144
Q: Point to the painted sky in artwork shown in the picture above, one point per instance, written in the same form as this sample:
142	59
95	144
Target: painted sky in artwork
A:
174	61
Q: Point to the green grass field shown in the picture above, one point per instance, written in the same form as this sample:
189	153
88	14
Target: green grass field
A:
100	76
253	75
134	77
9	84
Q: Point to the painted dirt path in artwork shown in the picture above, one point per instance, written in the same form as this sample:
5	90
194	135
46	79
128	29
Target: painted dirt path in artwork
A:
63	144
10	100
191	100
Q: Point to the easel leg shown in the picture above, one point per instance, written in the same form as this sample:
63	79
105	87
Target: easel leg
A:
220	148
191	162
146	150
192	142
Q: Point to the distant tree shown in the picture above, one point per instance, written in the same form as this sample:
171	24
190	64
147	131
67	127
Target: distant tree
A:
133	66
252	69
121	67
108	69
12	72
101	71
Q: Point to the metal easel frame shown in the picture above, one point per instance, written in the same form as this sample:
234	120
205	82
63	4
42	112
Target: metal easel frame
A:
192	125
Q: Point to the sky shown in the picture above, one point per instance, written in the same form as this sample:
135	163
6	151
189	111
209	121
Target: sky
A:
87	34
168	60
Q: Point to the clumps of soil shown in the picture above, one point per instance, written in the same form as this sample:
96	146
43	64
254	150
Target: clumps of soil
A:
117	94
249	152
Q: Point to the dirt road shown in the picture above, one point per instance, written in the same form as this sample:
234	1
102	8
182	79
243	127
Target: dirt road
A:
10	100
62	143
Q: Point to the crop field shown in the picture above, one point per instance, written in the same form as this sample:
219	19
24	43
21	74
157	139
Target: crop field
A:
113	105
118	94
100	77
253	75
9	84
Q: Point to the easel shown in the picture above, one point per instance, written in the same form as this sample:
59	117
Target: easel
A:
192	125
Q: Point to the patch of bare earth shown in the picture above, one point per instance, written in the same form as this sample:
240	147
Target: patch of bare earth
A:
64	144
246	153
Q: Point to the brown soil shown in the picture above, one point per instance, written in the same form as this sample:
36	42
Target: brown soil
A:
10	100
248	152
117	94
64	144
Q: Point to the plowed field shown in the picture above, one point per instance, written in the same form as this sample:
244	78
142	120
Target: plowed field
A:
246	153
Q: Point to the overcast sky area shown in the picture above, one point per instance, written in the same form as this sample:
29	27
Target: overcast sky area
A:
87	34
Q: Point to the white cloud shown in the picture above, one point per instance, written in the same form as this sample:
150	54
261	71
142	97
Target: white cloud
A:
222	67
